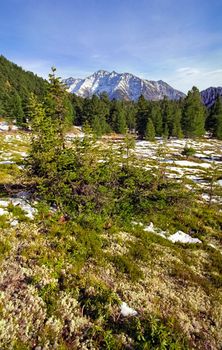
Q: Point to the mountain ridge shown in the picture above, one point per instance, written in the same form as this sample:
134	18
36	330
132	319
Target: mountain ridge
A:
121	86
210	94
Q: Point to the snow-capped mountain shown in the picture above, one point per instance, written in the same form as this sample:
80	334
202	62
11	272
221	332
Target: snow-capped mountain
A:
209	95
121	86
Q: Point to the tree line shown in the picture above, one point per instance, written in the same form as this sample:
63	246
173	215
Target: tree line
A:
187	117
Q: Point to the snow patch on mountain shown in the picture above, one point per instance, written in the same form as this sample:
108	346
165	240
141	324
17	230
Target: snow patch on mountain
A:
121	86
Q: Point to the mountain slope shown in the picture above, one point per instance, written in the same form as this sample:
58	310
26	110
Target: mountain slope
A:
16	85
121	86
209	95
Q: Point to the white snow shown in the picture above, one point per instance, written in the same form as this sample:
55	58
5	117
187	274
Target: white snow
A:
157	231
191	164
3	212
7	162
183	237
28	209
127	311
116	85
4	203
14	223
149	228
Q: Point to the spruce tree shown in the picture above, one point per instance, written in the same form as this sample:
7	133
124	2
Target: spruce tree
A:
150	131
176	130
193	117
214	120
156	116
15	110
97	127
142	116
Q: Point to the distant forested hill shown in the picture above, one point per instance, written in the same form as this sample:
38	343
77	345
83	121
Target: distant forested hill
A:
15	87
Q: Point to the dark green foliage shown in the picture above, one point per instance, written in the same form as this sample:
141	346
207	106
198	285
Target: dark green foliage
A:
15	88
15	110
157	118
118	117
214	119
193	118
188	151
150	131
142	116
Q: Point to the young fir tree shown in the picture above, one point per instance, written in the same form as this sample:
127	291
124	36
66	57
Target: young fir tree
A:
150	131
57	104
168	116
156	116
142	115
214	120
193	117
118	117
15	110
177	130
97	127
49	161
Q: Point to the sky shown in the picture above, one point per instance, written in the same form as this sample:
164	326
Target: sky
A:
177	41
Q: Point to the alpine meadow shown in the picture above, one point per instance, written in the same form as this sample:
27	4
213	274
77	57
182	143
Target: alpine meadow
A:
110	183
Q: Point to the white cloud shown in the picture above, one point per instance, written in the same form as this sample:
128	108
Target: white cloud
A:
185	77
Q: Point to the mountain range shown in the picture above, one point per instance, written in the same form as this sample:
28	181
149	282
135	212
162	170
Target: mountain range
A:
121	86
209	95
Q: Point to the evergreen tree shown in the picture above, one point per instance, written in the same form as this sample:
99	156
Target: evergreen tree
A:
15	110
150	131
166	132
97	127
168	115
130	111
177	131
57	106
118	117
157	119
142	115
193	117
214	120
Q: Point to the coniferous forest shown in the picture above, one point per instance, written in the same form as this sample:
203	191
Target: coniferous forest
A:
185	118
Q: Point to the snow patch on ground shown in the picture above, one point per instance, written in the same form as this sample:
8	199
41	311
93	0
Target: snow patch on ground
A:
3	212
126	310
179	236
28	209
183	237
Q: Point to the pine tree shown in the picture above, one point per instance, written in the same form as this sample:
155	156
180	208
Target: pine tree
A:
156	116
97	127
118	118
168	116
15	110
177	131
193	117
214	120
142	115
150	131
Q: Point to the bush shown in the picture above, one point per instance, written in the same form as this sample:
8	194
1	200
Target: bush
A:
188	151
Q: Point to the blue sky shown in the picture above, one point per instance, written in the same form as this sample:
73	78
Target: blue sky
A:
177	41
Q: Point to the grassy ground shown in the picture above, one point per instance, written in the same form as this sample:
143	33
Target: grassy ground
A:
61	285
